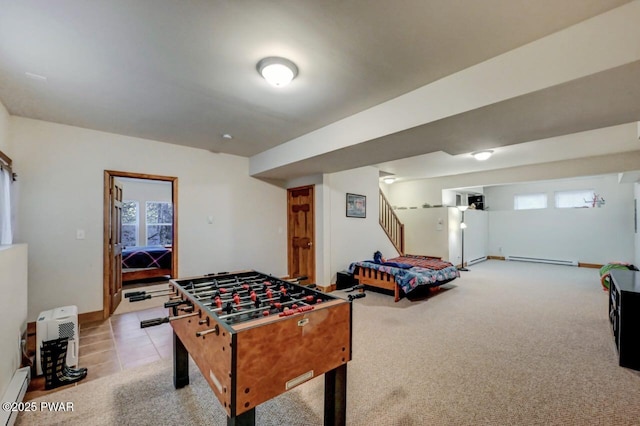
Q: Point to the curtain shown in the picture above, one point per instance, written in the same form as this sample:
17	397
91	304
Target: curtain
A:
6	235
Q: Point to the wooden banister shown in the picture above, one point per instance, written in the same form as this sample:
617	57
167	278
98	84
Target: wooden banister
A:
391	224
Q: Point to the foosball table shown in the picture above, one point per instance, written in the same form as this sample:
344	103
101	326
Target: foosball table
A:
254	336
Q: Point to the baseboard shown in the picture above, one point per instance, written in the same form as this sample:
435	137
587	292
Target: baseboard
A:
90	317
580	264
327	289
589	265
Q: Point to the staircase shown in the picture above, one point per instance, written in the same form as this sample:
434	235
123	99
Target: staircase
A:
391	224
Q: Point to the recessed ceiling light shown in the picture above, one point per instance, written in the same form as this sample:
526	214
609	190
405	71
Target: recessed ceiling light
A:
277	71
227	136
482	155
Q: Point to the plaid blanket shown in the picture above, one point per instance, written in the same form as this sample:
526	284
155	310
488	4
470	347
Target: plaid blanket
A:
427	262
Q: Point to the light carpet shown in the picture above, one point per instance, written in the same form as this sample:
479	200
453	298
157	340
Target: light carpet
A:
508	343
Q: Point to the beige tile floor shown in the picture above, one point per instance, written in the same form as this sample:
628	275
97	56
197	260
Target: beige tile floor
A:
116	344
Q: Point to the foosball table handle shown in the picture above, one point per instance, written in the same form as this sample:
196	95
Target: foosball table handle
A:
205	332
356	296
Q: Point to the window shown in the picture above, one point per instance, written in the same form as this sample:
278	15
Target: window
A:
159	223
530	201
578	198
130	223
7	207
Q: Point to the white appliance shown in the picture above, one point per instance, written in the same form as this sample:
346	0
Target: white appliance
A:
54	324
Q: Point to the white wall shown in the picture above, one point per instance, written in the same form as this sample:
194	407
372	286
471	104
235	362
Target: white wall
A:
476	235
4	130
354	239
436	232
61	172
426	231
13	305
143	190
589	235
13	284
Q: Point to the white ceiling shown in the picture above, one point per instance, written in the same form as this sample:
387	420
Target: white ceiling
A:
184	73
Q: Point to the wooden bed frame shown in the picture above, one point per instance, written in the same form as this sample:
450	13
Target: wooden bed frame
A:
378	279
144	273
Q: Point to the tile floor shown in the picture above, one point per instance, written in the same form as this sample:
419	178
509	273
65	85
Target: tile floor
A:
116	344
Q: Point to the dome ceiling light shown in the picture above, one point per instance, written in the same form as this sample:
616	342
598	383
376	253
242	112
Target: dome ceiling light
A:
482	155
277	71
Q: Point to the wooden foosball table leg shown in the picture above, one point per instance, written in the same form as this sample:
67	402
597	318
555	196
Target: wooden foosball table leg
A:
335	396
180	363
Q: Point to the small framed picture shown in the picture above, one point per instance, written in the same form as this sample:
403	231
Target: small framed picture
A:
356	205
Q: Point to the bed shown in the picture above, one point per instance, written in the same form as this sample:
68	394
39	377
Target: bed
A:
404	273
146	262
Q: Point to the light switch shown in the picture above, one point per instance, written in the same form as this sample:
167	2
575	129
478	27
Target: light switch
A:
209	220
79	234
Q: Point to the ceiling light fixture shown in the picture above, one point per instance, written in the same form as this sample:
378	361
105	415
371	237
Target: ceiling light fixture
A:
227	136
389	180
277	71
482	155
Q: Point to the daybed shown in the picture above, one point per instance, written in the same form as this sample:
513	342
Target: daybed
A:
404	273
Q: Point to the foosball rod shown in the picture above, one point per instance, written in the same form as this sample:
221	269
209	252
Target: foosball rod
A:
274	293
223	282
242	304
227	295
225	290
144	292
216	286
249	311
158	321
148	296
232	282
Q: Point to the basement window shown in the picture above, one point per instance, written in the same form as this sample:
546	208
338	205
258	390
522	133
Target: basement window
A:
530	201
582	198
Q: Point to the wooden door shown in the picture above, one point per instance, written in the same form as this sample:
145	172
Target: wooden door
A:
115	244
301	228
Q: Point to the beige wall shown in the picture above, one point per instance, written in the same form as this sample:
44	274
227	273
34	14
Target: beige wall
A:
13	305
61	175
4	130
354	239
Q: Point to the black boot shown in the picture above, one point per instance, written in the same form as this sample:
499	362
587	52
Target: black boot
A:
53	356
60	346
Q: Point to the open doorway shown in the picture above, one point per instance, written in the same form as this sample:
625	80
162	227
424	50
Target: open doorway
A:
152	236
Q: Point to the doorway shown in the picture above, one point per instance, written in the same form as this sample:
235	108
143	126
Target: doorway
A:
301	233
112	234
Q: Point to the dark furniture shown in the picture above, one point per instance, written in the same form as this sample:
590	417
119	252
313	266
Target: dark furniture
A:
478	200
345	279
624	314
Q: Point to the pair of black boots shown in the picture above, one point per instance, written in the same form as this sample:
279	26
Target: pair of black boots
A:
53	356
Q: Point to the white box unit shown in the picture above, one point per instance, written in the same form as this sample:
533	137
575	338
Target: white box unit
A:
54	324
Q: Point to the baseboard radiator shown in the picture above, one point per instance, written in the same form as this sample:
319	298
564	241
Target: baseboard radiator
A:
478	260
14	394
542	260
